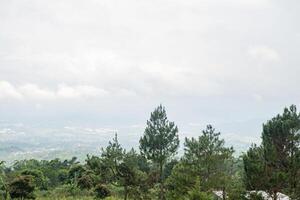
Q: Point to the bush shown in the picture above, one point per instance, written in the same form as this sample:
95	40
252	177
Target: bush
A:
196	194
256	196
102	191
38	178
22	188
85	182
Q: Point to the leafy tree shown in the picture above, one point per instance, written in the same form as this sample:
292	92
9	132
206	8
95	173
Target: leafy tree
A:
208	155
22	187
54	171
39	179
20	165
160	141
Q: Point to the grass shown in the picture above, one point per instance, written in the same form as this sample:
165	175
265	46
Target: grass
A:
74	198
65	198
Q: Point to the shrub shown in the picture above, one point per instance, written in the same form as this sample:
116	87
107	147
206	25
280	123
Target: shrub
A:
196	194
256	196
85	182
22	187
102	191
38	178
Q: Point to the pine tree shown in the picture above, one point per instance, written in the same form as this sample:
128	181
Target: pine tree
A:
160	141
281	144
208	156
274	166
254	168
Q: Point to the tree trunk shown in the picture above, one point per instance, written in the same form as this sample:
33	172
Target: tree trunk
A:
161	195
223	193
125	192
275	196
293	169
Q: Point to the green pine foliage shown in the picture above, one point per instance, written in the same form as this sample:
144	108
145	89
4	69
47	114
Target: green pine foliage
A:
274	165
159	142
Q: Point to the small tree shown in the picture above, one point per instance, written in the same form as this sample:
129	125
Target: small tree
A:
180	182
122	167
112	156
208	156
160	141
22	187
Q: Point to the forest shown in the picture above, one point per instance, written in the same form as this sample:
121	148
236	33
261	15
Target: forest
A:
208	169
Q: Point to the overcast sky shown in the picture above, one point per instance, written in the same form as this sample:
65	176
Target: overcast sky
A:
109	63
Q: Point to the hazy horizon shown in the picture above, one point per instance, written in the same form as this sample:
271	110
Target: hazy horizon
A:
73	73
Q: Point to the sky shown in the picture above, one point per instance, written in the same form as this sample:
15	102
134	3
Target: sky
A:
102	66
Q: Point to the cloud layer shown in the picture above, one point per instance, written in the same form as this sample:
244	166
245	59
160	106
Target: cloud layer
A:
110	62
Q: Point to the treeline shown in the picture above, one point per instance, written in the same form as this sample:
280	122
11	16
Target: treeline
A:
206	171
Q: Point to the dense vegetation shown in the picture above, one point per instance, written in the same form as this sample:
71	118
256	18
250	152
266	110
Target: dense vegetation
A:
153	171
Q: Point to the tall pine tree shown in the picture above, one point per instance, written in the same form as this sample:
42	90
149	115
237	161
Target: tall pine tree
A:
277	159
160	141
280	141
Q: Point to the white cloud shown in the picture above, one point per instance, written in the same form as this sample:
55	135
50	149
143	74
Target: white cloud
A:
149	49
85	91
264	53
31	91
8	91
